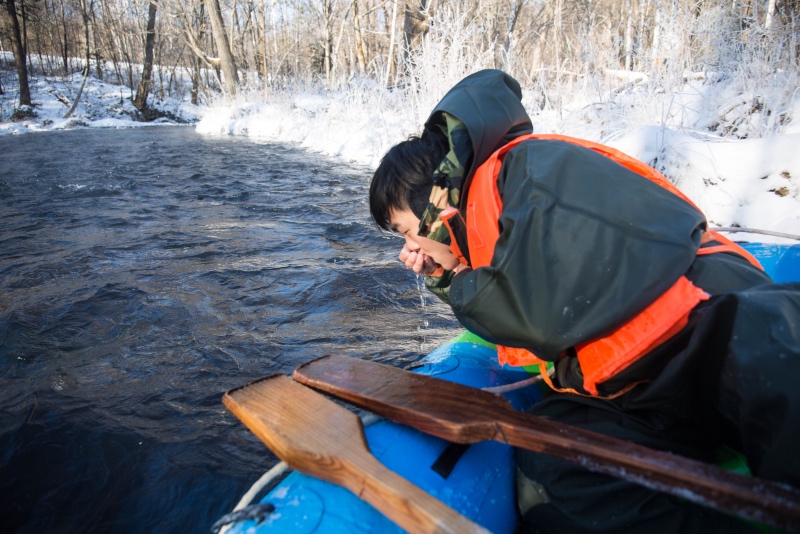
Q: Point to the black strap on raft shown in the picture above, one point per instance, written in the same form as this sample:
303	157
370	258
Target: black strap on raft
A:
446	461
258	512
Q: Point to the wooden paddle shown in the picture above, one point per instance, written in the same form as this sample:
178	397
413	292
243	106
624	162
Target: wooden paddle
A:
320	438
462	414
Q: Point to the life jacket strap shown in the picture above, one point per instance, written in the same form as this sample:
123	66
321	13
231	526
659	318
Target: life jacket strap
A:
454	222
726	245
549	382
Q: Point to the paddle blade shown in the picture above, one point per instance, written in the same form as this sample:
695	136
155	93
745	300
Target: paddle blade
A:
322	439
300	426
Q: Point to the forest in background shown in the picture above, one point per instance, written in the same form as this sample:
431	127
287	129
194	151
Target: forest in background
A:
205	50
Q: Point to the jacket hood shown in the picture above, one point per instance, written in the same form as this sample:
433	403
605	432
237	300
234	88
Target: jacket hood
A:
488	104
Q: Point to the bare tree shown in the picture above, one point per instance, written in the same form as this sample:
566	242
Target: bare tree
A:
140	101
390	56
65	38
416	19
227	62
628	35
770	14
20	55
327	38
98	56
86	67
361	57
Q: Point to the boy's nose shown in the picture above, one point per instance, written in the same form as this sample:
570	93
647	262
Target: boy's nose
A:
412	245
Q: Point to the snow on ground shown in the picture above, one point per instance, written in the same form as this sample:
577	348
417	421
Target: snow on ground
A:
751	183
102	105
358	126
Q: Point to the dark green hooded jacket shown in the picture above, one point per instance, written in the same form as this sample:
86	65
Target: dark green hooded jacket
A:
585	244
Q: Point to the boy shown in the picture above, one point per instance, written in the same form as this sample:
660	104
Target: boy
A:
562	250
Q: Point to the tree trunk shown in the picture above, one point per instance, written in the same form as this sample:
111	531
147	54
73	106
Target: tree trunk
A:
335	52
262	50
273	26
557	38
237	34
23	28
644	8
628	36
361	58
507	44
19	54
390	57
98	56
223	46
416	19
65	48
327	39
770	14
140	101
658	60
85	16
196	59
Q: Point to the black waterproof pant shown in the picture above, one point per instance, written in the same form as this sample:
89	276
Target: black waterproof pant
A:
736	382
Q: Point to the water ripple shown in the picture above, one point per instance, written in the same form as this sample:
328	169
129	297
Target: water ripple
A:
143	273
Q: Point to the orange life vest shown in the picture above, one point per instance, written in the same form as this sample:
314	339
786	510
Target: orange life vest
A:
602	358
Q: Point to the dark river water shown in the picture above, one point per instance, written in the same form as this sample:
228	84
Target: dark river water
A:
145	272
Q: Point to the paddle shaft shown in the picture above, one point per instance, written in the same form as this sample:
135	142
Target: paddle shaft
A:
466	415
699	482
404	503
319	438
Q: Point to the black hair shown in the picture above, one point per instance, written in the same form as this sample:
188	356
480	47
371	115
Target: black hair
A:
404	177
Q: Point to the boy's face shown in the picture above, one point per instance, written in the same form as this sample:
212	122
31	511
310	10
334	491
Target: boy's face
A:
405	223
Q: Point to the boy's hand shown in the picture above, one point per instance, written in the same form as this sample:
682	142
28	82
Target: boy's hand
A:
419	263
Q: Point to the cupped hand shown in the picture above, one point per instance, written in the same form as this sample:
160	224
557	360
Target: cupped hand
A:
417	262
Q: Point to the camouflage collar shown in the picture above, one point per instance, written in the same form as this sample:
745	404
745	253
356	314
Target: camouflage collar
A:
447	180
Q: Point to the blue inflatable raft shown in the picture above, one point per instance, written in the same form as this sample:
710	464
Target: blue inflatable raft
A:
476	480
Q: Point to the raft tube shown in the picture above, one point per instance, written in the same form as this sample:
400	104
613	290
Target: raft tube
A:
476	480
780	262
